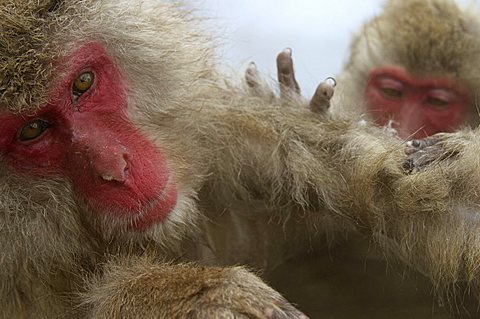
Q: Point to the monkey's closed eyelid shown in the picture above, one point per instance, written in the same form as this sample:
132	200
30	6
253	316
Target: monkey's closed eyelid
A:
440	99
438	103
442	94
391	93
390	83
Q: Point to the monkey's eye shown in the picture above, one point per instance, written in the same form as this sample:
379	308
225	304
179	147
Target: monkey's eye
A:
82	83
391	93
440	98
437	103
33	130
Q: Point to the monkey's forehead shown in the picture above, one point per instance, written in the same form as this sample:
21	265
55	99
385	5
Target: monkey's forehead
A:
28	50
147	39
429	37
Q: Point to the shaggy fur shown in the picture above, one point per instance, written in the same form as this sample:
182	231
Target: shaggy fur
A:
258	182
433	37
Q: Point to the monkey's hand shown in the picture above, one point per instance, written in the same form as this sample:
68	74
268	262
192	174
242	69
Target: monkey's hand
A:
290	92
424	152
145	289
436	207
289	87
442	147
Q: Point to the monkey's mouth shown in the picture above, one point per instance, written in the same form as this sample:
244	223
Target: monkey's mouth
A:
156	210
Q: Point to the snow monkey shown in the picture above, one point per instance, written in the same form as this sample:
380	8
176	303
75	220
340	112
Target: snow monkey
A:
133	176
408	87
415	66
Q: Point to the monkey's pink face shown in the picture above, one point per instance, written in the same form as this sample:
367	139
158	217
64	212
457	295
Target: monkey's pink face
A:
84	135
418	107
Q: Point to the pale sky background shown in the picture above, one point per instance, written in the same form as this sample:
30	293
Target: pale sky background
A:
318	31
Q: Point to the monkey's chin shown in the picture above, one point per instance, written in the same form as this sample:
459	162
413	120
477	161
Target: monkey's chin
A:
157	211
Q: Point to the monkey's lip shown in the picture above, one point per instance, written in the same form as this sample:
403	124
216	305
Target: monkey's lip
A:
157	210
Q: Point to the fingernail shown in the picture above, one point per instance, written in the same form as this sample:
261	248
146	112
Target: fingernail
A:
288	51
331	81
415	143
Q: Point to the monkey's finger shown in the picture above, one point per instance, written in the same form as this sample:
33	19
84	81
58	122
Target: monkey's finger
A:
320	101
330	81
252	76
420	160
416	162
423	152
286	74
254	81
421	144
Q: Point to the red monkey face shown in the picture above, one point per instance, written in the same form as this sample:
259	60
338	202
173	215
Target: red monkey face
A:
84	134
418	107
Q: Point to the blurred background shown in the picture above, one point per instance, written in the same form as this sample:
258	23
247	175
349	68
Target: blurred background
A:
318	31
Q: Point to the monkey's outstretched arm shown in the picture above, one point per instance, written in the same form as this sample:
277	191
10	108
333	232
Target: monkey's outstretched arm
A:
329	165
143	288
289	156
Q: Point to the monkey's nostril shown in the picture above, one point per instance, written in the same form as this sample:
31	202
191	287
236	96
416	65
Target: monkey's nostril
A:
116	170
107	177
127	163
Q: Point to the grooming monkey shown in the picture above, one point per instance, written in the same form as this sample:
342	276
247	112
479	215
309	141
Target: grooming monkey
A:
415	65
420	81
124	154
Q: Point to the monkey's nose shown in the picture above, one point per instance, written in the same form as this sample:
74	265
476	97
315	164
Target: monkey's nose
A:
114	170
106	159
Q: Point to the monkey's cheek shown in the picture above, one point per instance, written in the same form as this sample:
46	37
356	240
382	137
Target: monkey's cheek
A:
158	211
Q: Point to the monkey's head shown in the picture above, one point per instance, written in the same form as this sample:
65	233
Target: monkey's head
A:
416	64
85	87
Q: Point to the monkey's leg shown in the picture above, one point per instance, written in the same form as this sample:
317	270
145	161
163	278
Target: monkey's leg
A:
144	288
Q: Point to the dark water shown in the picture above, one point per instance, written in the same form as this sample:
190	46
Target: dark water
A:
337	284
